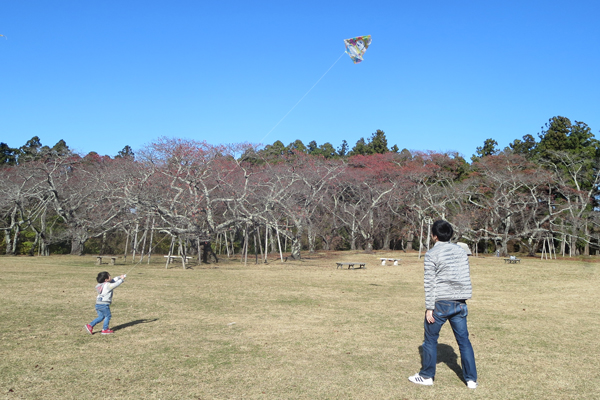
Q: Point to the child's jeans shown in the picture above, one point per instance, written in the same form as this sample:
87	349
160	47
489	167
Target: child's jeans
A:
103	311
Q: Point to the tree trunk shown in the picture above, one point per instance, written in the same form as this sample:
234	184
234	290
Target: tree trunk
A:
76	246
7	242
532	246
171	246
182	253
15	239
326	242
297	240
255	248
296	247
387	238
267	242
134	243
103	243
279	243
262	256
144	240
311	239
504	241
369	236
369	246
273	244
586	249
208	251
35	243
127	244
353	235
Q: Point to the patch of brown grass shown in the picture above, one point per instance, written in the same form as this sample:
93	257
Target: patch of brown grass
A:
294	330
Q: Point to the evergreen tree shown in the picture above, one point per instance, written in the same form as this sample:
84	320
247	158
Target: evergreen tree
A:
554	137
525	147
297	146
360	148
343	149
326	150
561	135
8	155
488	149
312	146
127	152
30	150
378	143
275	150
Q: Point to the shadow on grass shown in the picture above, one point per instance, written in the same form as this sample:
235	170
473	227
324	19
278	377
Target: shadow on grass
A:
447	355
132	323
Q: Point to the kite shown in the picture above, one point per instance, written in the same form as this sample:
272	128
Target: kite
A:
357	46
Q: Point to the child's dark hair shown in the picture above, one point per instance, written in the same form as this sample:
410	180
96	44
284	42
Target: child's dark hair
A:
443	230
102	277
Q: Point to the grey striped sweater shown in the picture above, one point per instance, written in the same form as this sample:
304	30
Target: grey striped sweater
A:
447	275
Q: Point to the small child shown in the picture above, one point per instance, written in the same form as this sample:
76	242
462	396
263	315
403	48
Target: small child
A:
104	288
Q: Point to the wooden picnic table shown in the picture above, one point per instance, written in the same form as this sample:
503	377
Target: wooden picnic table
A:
351	265
512	260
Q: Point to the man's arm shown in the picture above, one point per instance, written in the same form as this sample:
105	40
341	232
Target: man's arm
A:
429	282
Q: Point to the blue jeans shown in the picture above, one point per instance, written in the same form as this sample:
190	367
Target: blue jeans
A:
455	312
103	311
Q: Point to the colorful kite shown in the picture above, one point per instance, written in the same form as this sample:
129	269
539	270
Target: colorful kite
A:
357	46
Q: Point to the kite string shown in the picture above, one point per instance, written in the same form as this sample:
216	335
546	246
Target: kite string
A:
141	259
302	98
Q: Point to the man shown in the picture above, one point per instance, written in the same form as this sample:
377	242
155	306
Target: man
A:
447	284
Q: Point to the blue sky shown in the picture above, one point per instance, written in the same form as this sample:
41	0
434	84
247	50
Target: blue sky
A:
439	75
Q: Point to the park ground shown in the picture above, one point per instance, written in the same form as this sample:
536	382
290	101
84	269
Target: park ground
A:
293	330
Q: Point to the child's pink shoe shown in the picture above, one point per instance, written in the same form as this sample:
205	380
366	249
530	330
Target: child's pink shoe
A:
90	329
107	331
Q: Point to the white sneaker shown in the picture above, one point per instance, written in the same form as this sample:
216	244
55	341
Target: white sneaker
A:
471	384
419	380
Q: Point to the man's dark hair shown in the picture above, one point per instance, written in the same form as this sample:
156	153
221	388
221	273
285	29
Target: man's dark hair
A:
102	277
443	230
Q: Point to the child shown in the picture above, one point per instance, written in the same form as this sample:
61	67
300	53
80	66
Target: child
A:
104	288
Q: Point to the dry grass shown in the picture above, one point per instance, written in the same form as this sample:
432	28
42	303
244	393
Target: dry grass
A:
299	330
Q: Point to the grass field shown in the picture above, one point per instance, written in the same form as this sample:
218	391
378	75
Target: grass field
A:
298	330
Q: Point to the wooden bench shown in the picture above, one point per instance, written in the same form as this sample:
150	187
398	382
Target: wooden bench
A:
187	258
394	260
512	260
99	260
351	265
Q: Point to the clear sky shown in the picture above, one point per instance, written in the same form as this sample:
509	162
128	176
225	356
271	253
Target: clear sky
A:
439	75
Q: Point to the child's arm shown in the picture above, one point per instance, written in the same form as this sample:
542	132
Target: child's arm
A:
116	282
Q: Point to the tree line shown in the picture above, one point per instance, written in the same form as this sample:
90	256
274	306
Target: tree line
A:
191	197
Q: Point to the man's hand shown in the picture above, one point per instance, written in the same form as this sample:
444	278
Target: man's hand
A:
429	316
